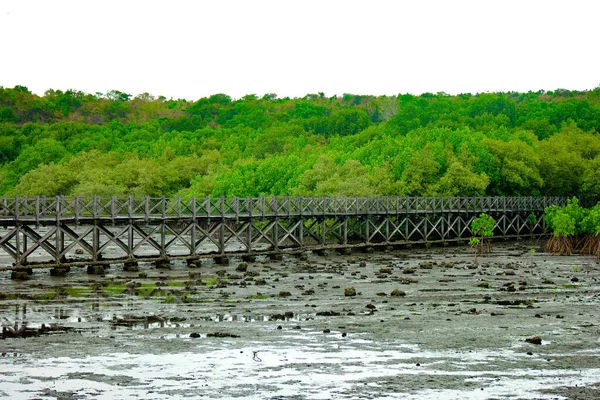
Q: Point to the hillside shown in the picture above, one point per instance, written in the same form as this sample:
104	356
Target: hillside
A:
73	143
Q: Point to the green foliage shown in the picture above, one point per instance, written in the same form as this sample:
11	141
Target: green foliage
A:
566	221
483	226
532	219
73	143
474	241
591	221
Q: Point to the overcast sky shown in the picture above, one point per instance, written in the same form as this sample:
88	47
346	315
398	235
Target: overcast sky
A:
192	49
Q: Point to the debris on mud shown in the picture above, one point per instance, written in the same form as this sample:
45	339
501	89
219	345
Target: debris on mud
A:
222	335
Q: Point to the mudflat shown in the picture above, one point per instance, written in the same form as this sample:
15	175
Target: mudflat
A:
419	323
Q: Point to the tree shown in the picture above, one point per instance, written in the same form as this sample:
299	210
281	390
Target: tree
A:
513	168
460	180
482	228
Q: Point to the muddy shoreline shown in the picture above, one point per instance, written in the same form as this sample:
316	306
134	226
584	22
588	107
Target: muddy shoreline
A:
285	329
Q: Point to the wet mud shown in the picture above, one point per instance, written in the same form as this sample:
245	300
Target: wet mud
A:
416	323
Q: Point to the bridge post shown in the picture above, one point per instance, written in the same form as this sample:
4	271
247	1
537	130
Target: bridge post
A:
222	226
193	227
59	236
275	234
163	228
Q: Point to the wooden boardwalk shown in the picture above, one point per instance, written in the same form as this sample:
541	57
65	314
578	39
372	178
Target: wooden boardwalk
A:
46	232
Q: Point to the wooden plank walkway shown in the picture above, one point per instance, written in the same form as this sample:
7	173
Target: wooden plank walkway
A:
73	231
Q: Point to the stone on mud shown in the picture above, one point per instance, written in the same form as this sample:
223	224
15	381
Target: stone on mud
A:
95	270
222	260
131	266
328	314
19	275
59	271
534	340
163	264
426	265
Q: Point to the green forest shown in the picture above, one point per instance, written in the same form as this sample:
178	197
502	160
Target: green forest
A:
113	144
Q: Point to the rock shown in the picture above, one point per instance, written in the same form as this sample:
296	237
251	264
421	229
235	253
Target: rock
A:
371	306
19	276
328	314
260	281
408	271
534	340
397	293
59	271
194	335
131	266
95	270
426	265
162	264
221	260
384	270
349	292
326	330
284	293
242	267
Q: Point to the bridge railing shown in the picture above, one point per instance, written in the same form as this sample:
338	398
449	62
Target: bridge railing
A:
43	208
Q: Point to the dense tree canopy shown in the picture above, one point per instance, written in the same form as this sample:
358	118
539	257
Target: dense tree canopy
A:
74	143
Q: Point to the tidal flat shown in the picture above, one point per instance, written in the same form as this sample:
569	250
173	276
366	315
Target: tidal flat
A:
420	323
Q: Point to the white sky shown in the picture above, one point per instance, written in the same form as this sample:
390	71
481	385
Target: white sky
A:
192	49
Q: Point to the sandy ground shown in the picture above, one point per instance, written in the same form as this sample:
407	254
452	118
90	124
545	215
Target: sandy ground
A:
286	330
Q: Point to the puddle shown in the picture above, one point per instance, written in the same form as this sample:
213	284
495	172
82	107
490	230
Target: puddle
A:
286	368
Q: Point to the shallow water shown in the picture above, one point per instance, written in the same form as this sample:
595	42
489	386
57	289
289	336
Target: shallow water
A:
446	339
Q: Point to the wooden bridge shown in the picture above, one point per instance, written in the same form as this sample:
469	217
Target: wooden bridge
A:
49	232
